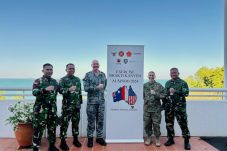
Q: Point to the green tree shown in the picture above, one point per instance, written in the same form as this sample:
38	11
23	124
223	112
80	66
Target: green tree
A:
207	78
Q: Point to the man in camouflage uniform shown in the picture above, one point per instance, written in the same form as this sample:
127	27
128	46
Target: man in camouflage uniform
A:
70	88
177	89
95	84
153	92
45	110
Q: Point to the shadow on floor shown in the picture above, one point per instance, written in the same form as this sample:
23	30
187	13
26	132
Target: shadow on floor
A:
217	142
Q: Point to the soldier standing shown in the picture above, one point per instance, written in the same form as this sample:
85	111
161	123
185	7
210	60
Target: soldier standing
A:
45	110
177	89
70	88
153	92
95	84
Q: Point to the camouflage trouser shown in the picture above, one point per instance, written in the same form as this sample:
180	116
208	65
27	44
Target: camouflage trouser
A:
67	115
40	121
152	120
95	116
180	113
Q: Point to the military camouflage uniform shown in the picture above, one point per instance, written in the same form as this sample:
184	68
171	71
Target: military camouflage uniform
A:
153	107
44	110
95	102
176	107
71	104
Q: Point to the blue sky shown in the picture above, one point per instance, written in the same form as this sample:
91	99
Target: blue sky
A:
186	34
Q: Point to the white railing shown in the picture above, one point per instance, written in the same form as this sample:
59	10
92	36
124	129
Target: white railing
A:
24	93
208	93
12	93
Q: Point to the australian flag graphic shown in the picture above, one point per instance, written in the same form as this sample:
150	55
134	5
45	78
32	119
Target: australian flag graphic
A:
125	94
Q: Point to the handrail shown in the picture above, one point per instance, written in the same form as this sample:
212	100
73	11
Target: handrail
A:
208	89
15	89
216	93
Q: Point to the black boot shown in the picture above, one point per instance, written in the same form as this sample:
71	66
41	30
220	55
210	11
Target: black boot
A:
187	145
90	142
52	148
64	145
76	141
170	141
101	141
35	148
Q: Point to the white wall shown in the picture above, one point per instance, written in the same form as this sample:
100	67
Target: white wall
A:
206	118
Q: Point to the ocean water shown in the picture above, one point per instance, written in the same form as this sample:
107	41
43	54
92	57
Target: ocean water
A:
16	83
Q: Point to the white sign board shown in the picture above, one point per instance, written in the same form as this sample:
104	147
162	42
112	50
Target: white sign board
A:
124	110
